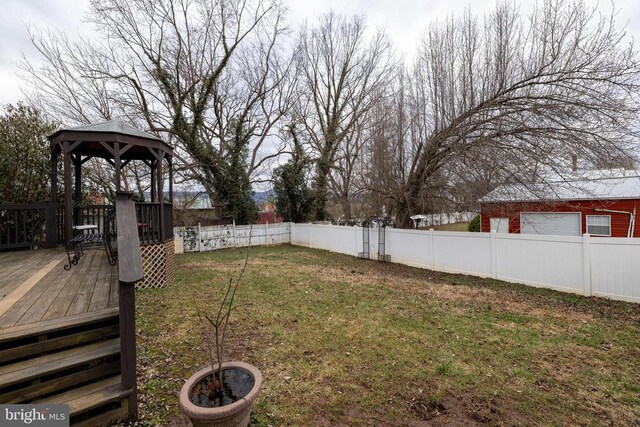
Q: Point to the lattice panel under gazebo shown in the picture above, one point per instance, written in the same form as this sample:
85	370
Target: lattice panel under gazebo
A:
158	263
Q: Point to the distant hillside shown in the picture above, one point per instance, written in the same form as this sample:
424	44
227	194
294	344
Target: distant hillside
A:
262	196
203	198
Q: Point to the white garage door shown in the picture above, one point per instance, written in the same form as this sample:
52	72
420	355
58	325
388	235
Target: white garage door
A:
559	224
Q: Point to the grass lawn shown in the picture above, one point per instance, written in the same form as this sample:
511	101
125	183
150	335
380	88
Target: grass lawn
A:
346	341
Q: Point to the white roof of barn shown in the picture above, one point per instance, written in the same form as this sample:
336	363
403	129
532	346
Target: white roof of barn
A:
593	185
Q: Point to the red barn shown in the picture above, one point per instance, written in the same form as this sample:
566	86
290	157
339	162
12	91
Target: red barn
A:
604	204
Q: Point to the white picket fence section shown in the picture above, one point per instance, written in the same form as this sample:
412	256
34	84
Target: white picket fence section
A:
606	267
211	238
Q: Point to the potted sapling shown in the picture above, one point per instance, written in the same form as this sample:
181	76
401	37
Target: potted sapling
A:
222	393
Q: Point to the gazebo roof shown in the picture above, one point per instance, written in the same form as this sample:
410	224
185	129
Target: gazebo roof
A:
98	140
112	126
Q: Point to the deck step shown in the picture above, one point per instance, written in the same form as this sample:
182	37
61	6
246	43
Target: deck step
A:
34	349
51	363
49	326
91	396
38	389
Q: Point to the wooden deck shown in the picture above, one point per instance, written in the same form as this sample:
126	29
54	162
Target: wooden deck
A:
35	287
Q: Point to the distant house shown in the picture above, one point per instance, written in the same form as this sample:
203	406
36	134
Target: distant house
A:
268	214
601	203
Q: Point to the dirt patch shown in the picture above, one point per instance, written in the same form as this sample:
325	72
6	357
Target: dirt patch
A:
447	409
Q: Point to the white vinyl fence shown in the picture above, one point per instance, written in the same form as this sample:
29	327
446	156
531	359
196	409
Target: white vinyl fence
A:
601	266
428	220
607	267
200	239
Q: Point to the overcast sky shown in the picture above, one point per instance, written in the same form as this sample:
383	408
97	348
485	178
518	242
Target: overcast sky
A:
405	20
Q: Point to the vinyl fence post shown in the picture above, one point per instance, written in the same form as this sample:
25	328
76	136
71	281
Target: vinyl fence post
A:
292	233
586	265
494	254
235	239
267	228
199	238
433	249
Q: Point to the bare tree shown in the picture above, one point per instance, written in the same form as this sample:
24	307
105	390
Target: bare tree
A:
210	76
342	179
531	92
341	76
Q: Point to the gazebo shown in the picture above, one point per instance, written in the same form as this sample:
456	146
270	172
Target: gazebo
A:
119	144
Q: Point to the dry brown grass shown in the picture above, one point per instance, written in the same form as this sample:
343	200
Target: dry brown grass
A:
342	341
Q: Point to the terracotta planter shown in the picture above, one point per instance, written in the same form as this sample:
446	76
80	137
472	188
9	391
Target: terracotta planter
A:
234	414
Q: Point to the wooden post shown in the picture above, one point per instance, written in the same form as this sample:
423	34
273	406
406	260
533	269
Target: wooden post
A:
154	192
170	161
117	165
129	273
267	228
68	195
160	183
77	188
52	217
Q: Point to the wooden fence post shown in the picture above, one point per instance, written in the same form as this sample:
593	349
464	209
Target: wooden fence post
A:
267	228
129	273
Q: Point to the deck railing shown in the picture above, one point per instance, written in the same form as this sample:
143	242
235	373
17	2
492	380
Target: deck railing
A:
23	226
148	215
92	214
151	229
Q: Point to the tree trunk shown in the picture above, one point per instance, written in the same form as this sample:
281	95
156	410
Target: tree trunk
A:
403	215
346	207
320	187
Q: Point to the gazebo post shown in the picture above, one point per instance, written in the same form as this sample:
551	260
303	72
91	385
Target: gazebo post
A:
52	220
77	169
170	161
160	194
68	195
154	192
118	165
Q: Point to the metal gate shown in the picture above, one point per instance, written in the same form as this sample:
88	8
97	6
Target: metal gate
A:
381	224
